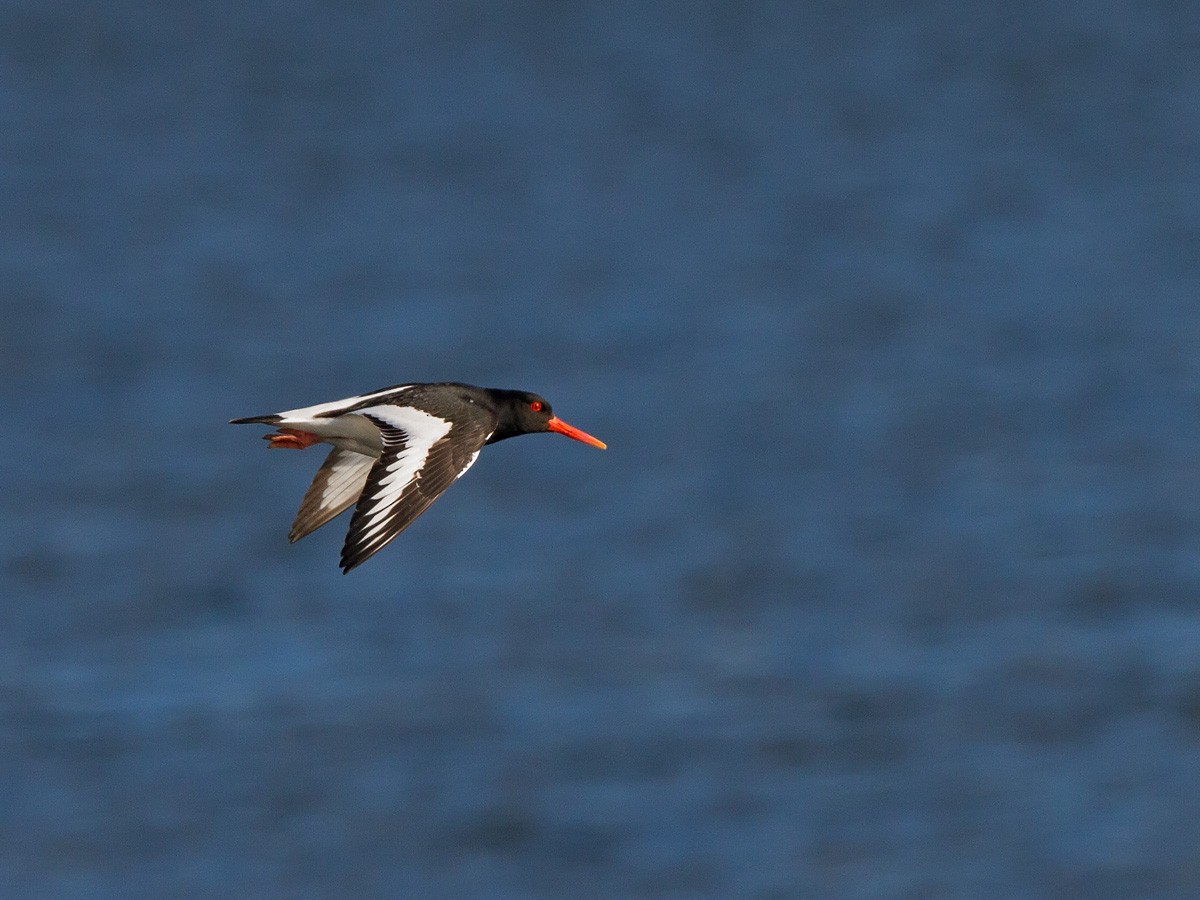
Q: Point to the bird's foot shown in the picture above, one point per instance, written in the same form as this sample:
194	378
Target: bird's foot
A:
291	439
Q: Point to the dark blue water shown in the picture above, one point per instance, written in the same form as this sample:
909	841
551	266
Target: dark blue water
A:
887	586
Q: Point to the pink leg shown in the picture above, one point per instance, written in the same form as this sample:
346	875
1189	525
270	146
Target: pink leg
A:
291	439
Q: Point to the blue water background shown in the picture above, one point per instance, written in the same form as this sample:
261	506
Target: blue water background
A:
887	586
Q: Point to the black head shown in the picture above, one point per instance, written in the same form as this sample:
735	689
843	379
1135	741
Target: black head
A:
524	413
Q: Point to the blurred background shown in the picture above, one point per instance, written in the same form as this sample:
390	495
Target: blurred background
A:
885	588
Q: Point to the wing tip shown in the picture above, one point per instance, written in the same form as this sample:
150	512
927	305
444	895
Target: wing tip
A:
354	556
258	420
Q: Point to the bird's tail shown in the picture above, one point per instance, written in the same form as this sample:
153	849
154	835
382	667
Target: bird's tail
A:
257	420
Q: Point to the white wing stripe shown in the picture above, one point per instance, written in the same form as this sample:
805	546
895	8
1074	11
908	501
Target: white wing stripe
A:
470	462
422	430
321	409
349	472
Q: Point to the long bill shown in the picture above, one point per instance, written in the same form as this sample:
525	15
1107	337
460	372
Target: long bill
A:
558	426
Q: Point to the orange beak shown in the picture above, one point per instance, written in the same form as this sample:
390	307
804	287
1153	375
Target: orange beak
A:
559	426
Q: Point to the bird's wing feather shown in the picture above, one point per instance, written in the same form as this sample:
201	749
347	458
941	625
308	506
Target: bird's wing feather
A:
336	485
423	454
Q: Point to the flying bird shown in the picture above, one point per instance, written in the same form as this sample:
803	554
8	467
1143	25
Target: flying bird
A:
397	449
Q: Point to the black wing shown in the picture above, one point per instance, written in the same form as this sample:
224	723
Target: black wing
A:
423	454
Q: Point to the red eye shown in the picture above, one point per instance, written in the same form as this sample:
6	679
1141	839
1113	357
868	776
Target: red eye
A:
536	405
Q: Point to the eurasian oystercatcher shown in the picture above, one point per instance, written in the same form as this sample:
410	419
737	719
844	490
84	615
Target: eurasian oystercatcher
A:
397	449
